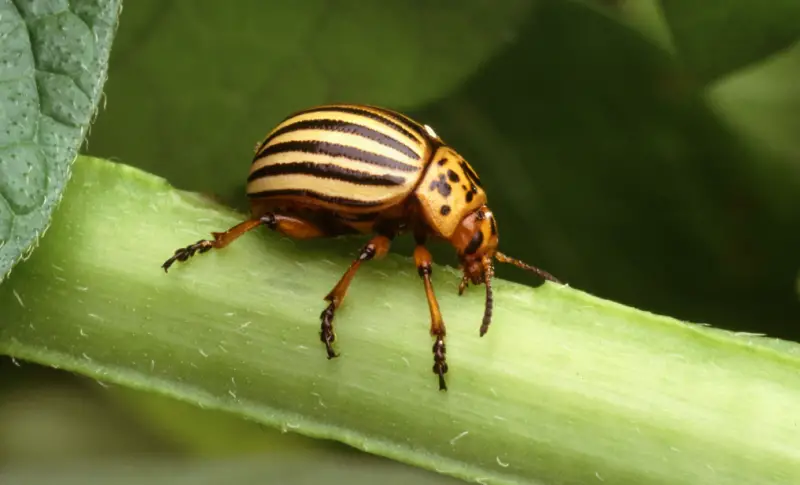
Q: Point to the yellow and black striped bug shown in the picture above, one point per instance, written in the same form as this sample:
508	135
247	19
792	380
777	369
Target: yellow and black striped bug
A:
345	169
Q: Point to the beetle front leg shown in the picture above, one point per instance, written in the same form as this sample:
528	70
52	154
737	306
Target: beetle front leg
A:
377	247
290	226
423	259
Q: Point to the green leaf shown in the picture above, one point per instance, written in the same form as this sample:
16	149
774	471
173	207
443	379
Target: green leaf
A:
717	37
52	68
225	73
309	469
565	388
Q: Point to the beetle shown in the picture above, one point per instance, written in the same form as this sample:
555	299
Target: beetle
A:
341	169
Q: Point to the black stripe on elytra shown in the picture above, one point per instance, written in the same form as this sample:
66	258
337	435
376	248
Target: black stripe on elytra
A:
420	129
336	150
384	118
347	127
344	201
328	171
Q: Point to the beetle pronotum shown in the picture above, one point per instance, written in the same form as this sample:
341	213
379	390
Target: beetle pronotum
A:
345	169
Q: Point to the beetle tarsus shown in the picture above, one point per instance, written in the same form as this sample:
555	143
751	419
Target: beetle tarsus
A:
183	254
326	334
463	285
439	362
376	247
221	239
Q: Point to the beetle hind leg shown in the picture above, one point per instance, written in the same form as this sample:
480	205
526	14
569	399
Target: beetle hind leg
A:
221	239
424	260
290	226
377	247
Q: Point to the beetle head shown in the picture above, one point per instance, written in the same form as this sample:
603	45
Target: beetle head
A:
476	241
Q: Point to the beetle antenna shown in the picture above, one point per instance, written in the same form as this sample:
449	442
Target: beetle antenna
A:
488	273
520	264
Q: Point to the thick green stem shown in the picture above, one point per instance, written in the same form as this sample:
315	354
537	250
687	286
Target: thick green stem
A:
564	389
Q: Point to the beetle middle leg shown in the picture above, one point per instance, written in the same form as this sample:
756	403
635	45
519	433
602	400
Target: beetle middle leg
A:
377	247
424	260
290	226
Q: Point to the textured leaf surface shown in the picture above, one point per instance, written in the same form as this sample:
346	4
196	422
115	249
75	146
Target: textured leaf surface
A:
53	63
564	389
716	37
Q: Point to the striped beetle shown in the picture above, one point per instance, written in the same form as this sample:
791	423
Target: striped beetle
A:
344	169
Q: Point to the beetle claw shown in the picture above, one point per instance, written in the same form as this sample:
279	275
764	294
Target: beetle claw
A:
439	362
326	334
183	254
463	285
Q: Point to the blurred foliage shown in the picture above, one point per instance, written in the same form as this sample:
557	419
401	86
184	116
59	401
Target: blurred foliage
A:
643	151
721	36
53	417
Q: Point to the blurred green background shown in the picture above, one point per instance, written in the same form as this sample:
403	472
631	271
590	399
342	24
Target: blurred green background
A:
646	152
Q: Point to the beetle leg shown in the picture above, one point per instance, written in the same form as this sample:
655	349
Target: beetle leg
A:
378	246
463	285
423	259
288	225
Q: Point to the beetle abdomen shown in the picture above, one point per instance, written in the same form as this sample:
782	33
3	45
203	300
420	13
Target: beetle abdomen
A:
345	158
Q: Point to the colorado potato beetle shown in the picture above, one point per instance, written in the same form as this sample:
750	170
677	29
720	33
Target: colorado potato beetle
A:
356	169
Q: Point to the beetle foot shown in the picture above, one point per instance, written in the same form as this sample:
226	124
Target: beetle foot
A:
183	254
326	334
463	285
439	362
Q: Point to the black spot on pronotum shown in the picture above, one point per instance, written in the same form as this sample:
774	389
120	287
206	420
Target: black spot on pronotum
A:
475	243
453	177
441	162
470	195
444	210
445	189
442	186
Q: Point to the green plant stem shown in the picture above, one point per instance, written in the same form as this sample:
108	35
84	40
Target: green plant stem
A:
565	388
